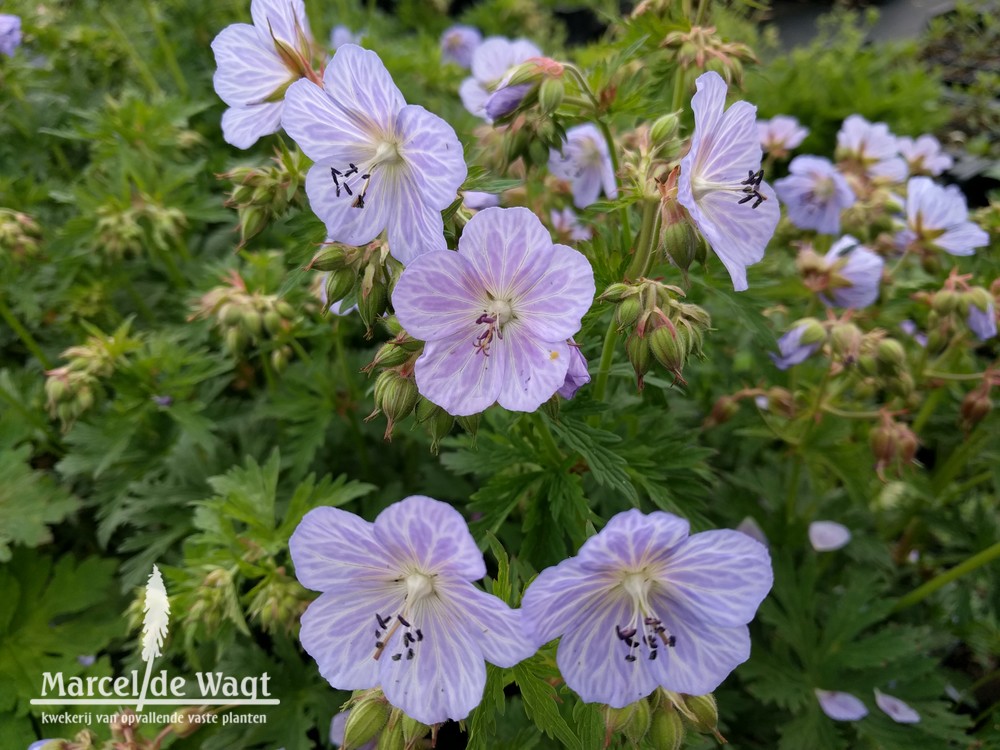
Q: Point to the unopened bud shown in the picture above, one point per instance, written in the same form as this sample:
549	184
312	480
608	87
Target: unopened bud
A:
670	347
637	349
273	322
702	712
666	730
981	298
615	292
945	301
890	355
396	396
280	358
413	730
637	726
664	129
372	306
391	738
627	312
339	284
976	406
252	222
681	242
186	724
470	424
550	95
331	258
230	314
390	354
883	443
846	338
813	331
366	719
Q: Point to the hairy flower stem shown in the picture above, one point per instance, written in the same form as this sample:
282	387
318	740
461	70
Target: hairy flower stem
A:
642	260
920	593
607	354
679	89
22	333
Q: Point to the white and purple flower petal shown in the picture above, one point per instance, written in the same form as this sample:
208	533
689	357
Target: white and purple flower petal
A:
841	706
577	375
857	271
827	536
982	323
872	147
924	155
459	43
780	134
585	163
10	34
791	350
938	217
721	183
491	62
897	710
815	194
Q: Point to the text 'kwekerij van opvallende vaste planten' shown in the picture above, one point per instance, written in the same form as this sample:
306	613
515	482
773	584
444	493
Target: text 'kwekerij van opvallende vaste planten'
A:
497	374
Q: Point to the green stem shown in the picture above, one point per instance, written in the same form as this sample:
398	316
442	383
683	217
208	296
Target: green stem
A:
548	441
954	376
166	49
930	404
699	18
679	90
607	354
791	499
22	333
642	260
852	414
137	60
352	417
920	593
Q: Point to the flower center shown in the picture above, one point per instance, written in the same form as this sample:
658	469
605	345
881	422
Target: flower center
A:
644	621
750	187
354	180
418	586
496	314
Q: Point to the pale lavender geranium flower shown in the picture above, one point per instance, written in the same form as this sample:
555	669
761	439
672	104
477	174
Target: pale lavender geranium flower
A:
491	63
779	135
910	329
567	226
585	163
256	64
10	34
938	218
856	274
827	536
872	147
505	99
982	323
644	605
897	710
496	315
721	183
841	706
577	375
399	609
814	193
380	164
791	350
459	43
341	35
924	155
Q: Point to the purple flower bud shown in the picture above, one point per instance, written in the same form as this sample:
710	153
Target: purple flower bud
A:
459	43
983	323
491	63
577	375
841	706
827	536
791	350
505	100
897	710
10	34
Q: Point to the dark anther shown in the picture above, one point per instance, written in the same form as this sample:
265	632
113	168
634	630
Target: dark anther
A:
405	623
359	202
624	635
409	654
652	655
420	635
651	621
753	179
629	657
352	170
378	634
397	657
407	639
382	623
752	188
351	192
336	182
672	641
379	644
366	176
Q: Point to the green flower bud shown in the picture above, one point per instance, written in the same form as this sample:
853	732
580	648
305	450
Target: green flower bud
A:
252	222
280	358
666	730
981	298
413	730
391	324
551	94
84	399
372	306
702	712
890	356
330	258
681	242
273	322
470	425
538	153
813	331
366	719
945	301
627	312
55	388
637	726
230	314
284	309
339	284
252	322
185	725
882	440
390	354
392	738
396	396
637	349
235	340
616	292
670	347
664	129
846	338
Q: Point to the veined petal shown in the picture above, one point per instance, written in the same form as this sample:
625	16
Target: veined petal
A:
323	130
431	536
554	600
414	228
721	576
738	234
446	675
338	632
496	55
555	292
435	297
516	237
535	369
331	546
587	186
247	72
635	540
359	82
456	376
495	627
703	655
434	156
708	104
841	706
243	126
474	96
591	657
282	18
962	239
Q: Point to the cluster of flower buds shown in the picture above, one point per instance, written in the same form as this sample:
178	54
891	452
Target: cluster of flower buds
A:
127	230
893	443
277	603
530	137
538	80
776	400
364	275
19	235
658	326
215	600
260	194
879	359
71	390
663	720
245	318
959	306
372	721
702	48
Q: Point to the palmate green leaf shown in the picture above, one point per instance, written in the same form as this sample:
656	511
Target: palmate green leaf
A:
482	722
540	701
813	730
48	619
609	469
29	502
498	499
